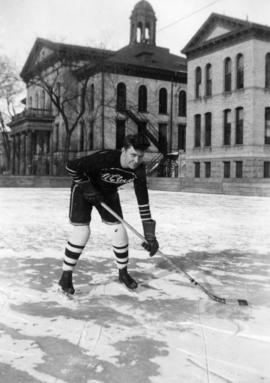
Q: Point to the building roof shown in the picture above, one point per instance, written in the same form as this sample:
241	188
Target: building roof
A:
143	7
149	56
220	30
143	60
54	50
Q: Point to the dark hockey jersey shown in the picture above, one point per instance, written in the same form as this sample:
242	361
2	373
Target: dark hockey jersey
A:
104	170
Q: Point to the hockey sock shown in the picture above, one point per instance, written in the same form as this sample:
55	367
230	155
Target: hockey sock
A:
75	246
120	245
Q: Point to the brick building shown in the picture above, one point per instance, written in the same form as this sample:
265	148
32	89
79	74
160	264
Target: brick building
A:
211	109
139	88
228	135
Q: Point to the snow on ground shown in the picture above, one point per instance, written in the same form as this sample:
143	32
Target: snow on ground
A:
170	330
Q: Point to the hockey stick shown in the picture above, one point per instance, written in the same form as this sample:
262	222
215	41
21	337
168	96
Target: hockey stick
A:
240	302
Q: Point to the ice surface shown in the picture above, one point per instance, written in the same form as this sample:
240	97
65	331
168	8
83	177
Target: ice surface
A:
169	331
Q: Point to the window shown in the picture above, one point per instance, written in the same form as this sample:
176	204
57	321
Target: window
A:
239	126
228	75
121	97
58	91
208	129
239	71
147	33
34	143
30	102
267	70
57	97
197	170
267	126
142	99
182	137
163	101
92	97
56	135
238	169
36	100
207	169
227	127
162	137
91	135
81	137
182	104
42	100
197	135
266	169
120	133
139	33
226	169
208	80
48	142
198	82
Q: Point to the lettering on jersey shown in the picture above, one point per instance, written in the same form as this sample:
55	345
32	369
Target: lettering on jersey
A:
117	176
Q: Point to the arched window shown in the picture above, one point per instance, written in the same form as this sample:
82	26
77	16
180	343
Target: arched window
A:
228	75
42	100
58	91
36	100
239	127
197	133
30	104
56	138
267	126
142	99
239	71
227	126
81	138
92	97
163	101
182	104
208	80
267	70
198	82
139	33
207	129
121	97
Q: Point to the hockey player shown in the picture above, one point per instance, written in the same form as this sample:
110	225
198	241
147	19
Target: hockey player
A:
96	179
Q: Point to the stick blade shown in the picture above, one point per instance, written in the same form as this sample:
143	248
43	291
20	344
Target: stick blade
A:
239	302
242	302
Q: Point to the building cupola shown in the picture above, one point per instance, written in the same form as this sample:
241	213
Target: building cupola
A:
143	24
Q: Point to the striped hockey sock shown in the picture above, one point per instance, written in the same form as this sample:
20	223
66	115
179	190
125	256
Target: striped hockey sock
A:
120	246
75	246
72	254
121	256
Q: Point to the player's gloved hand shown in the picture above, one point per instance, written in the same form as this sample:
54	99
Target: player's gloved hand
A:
151	245
90	193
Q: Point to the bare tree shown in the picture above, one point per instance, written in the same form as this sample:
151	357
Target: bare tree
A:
66	94
11	87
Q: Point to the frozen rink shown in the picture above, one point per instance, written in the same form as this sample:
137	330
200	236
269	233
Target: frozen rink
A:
167	332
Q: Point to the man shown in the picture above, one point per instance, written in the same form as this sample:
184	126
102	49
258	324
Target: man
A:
96	179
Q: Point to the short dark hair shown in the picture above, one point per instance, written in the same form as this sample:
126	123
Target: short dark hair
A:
139	142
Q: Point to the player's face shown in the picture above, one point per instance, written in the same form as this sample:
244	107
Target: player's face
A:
132	158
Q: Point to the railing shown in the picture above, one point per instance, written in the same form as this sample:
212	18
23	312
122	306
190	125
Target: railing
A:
32	112
169	167
151	129
153	165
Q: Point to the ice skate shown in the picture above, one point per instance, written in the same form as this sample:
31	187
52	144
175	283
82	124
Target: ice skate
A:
125	278
65	283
